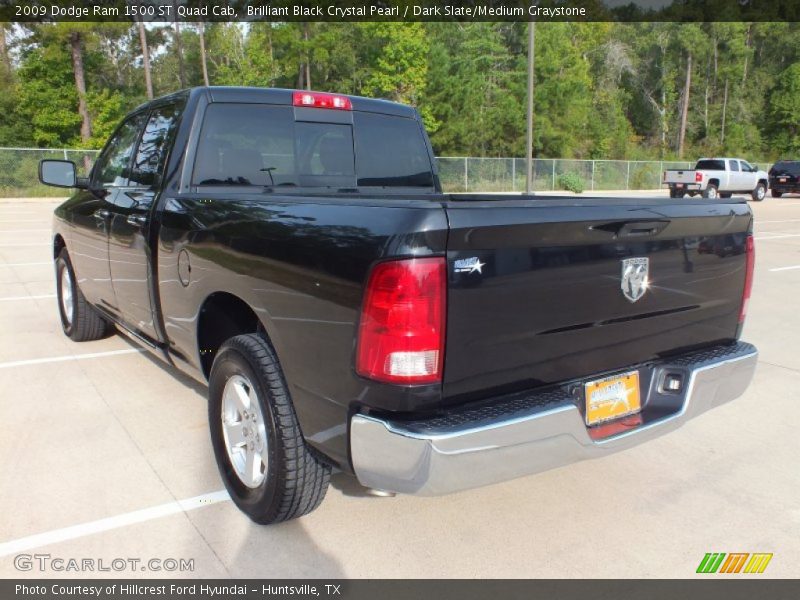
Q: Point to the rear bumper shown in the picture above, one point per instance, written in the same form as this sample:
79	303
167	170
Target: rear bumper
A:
531	433
785	187
695	187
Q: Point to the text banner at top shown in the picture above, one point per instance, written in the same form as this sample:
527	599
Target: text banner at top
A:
31	11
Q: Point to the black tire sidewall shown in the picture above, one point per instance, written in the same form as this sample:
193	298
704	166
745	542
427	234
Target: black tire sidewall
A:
760	186
62	262
253	501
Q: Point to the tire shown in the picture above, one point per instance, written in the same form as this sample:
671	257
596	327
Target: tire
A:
675	193
711	191
79	319
725	194
247	390
759	193
776	194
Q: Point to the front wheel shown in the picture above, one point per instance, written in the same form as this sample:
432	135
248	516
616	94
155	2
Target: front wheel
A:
269	471
776	194
760	192
79	319
711	192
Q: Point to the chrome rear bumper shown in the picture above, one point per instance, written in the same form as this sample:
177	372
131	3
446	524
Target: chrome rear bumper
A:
477	447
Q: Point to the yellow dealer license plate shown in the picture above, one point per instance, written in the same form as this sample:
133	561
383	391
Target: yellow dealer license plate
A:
612	397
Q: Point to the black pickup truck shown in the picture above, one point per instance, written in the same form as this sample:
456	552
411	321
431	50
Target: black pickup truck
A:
294	251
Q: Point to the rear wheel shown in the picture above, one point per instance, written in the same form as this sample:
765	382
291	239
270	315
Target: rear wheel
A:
79	319
725	194
760	192
269	471
675	193
711	191
776	194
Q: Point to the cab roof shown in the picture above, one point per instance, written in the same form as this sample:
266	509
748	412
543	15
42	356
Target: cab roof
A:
257	95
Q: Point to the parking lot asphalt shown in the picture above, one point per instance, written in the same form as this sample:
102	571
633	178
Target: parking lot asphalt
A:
105	454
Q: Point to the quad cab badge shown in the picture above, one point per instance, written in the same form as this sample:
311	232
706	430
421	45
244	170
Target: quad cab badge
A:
635	280
468	265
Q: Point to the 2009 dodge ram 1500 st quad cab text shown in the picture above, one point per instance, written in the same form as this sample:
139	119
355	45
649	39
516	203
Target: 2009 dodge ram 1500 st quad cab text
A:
294	250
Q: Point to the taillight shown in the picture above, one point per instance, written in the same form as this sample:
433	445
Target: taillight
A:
401	336
698	177
320	100
750	261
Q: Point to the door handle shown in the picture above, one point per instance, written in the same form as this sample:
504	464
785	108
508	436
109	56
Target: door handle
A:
101	213
137	220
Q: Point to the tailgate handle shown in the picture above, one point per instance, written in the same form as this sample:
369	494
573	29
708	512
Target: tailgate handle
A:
627	229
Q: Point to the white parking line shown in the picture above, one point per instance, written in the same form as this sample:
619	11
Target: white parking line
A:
52	359
19	244
12	298
109	523
23	230
40	221
47	262
758	222
785	268
777	237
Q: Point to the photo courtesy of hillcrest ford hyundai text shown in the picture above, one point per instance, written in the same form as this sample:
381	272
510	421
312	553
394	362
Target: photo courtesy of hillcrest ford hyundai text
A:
295	251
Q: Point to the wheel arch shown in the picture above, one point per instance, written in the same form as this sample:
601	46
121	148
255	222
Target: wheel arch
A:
223	315
714	182
58	245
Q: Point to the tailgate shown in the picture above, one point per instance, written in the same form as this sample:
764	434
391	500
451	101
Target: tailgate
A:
545	291
679	176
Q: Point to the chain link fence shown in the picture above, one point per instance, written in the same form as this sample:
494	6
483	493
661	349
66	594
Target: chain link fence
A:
19	170
19	173
470	174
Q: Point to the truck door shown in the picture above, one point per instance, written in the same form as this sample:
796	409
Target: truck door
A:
735	183
92	218
129	246
748	175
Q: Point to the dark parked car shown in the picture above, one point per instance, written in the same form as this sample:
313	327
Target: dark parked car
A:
294	251
784	178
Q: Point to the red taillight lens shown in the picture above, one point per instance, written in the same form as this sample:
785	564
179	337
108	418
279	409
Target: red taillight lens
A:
698	177
401	336
750	262
319	100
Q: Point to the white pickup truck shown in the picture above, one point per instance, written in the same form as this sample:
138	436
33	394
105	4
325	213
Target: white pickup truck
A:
717	177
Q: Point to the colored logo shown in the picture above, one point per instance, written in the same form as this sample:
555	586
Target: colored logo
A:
735	562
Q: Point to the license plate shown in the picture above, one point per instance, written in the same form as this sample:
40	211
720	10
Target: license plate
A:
678	185
782	179
612	397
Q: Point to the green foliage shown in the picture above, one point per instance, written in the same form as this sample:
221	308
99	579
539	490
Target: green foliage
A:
784	111
571	181
602	90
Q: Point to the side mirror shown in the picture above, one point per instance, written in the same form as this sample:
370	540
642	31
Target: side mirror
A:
58	173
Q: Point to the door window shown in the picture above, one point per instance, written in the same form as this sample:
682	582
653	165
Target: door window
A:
151	155
734	165
113	166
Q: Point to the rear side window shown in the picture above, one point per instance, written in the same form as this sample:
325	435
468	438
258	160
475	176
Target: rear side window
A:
246	145
710	165
733	165
262	145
